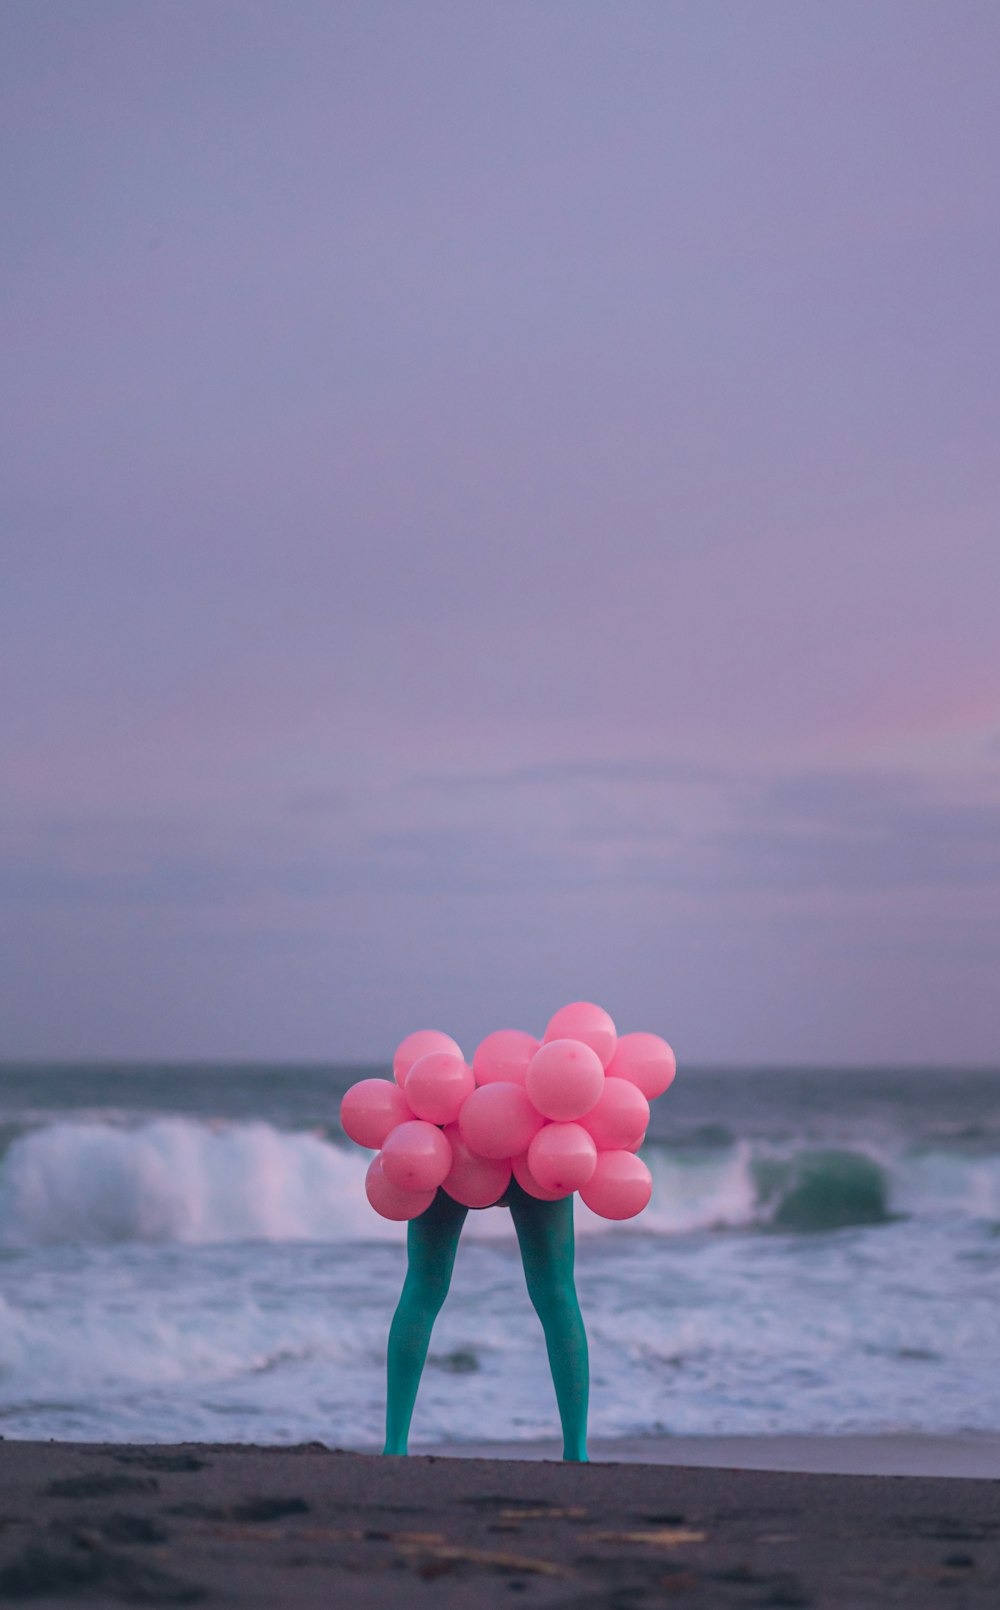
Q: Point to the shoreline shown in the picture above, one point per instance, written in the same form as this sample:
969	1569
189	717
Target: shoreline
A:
311	1526
967	1455
955	1456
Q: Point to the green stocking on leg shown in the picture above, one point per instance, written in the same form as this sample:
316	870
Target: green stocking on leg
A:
545	1235
431	1242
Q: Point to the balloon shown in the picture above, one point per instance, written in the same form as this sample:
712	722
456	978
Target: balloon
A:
619	1187
621	1116
569	1113
564	1079
436	1086
371	1108
582	1020
645	1060
389	1200
527	1181
475	1181
562	1157
417	1045
522	1172
416	1156
498	1120
505	1054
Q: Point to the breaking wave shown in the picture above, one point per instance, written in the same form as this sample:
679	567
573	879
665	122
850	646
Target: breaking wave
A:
189	1181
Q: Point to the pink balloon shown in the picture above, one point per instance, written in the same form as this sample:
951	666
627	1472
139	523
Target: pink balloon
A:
370	1109
436	1086
619	1187
646	1061
562	1157
636	1145
582	1020
621	1116
389	1200
505	1054
476	1182
564	1079
527	1181
418	1045
498	1120
416	1156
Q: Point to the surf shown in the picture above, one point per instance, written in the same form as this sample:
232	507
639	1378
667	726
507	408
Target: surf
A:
199	1182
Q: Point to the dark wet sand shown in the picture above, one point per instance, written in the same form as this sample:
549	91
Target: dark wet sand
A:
853	1454
310	1526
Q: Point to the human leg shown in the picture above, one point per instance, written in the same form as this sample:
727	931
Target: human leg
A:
545	1236
432	1241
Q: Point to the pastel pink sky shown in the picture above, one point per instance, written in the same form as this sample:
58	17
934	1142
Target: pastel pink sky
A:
499	504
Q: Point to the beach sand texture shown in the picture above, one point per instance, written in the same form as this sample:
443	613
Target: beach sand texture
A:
309	1526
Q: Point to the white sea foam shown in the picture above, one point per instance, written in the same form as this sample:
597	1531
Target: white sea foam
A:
183	1180
893	1329
165	1274
197	1182
188	1181
937	1183
706	1194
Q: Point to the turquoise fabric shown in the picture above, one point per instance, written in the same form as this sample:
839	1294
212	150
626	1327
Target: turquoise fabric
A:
545	1236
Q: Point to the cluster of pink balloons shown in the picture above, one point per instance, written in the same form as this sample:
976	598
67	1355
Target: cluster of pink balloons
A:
564	1114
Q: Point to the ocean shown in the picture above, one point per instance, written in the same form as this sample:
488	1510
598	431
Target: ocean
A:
187	1253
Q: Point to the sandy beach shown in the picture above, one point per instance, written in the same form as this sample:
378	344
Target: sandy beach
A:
311	1526
893	1454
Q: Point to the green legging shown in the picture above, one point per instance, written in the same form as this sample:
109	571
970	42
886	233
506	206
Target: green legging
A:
545	1235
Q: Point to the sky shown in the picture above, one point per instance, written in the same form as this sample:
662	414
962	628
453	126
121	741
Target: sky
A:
499	505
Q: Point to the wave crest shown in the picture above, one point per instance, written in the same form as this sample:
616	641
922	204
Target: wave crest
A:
189	1181
177	1179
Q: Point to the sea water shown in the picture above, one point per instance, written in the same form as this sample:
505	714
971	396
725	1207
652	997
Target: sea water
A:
187	1253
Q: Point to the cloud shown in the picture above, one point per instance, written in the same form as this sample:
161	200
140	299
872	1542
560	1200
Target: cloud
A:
549	828
815	831
556	773
305	926
701	829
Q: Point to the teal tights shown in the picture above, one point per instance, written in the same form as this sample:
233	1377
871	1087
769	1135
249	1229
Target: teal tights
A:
545	1235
